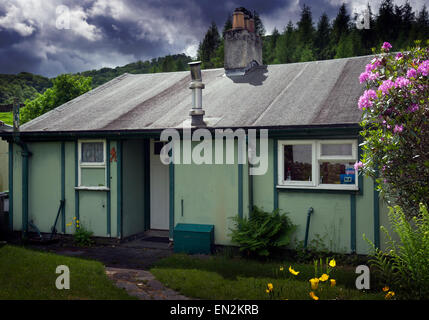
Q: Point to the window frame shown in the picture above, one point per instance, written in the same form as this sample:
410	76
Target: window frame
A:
97	165
317	158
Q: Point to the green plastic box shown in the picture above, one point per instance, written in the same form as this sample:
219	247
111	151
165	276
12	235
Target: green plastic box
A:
194	238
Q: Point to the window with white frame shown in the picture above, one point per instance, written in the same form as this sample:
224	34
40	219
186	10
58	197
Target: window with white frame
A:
92	163
317	164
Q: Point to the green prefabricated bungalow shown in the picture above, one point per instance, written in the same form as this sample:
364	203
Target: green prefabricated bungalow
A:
97	157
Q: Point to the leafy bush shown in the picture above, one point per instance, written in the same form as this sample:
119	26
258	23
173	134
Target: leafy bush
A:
81	236
262	233
404	266
396	126
66	87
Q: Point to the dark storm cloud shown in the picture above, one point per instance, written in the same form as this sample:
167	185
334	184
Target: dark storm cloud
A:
112	32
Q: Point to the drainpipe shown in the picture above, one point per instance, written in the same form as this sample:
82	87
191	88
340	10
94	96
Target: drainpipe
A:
307	228
25	153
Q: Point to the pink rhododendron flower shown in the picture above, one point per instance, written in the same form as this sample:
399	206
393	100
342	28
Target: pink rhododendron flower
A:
364	76
411	73
386	46
372	66
398	56
424	68
366	100
401	82
373	76
358	165
398	128
385	86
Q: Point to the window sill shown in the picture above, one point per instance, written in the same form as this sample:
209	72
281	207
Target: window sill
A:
92	188
352	189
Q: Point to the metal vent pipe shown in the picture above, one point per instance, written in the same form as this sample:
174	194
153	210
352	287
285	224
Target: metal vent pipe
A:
197	86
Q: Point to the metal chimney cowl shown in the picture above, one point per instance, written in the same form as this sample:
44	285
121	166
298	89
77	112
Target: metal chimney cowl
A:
196	85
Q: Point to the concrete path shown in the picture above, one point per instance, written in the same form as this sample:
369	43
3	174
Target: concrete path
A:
142	284
127	265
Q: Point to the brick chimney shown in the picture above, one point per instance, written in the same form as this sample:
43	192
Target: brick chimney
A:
243	47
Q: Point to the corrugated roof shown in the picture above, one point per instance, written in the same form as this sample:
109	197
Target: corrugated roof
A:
309	93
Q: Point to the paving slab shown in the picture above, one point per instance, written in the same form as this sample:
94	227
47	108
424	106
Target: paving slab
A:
142	284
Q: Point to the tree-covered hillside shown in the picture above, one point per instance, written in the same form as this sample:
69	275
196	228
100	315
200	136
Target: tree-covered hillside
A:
177	62
22	86
25	85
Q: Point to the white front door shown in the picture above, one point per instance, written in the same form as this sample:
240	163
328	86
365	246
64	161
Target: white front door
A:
159	189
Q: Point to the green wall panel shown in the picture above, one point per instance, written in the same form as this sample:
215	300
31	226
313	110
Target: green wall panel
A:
263	184
69	185
365	216
44	184
17	188
209	194
113	191
93	177
92	211
330	220
133	187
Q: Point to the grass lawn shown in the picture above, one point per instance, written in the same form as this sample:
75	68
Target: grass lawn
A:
218	277
6	117
28	274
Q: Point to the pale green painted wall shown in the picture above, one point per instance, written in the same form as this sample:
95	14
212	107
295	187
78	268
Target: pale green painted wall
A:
133	187
365	216
113	193
4	167
44	184
210	195
45	190
93	177
92	211
17	188
69	149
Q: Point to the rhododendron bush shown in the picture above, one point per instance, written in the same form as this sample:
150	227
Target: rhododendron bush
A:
395	122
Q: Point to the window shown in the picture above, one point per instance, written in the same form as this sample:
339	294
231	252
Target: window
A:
317	164
92	152
92	164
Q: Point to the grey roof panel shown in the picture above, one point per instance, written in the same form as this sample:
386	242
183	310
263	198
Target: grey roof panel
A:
309	93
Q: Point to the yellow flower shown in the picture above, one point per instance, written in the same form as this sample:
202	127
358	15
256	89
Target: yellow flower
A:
69	224
332	263
313	296
333	282
324	277
314	283
267	291
295	273
270	287
386	288
74	218
389	295
77	221
281	268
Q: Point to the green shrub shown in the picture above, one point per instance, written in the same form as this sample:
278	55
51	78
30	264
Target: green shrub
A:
82	237
404	265
262	232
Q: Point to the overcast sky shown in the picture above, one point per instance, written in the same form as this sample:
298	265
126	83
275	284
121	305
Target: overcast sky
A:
50	37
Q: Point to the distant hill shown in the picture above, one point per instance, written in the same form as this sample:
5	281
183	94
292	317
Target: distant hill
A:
23	86
26	85
177	62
